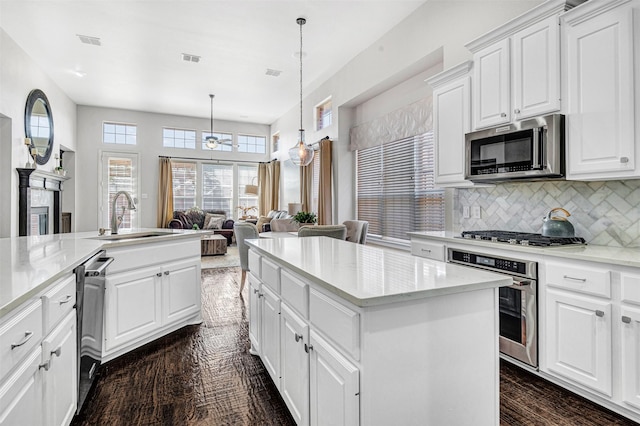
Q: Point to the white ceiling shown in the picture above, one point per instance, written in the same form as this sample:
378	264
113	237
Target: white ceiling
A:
139	64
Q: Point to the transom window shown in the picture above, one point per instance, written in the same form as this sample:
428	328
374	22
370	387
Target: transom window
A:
252	144
225	141
119	133
396	188
178	138
323	116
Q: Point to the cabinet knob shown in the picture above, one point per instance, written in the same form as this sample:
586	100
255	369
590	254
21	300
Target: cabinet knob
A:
599	313
516	111
57	351
260	295
159	274
308	348
255	290
626	319
624	160
166	272
503	115
44	365
27	336
298	337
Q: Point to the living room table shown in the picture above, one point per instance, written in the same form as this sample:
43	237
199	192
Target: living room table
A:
213	244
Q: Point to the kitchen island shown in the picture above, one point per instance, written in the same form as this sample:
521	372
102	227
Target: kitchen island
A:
353	334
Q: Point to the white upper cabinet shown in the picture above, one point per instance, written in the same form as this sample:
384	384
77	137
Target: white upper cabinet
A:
517	67
598	75
451	120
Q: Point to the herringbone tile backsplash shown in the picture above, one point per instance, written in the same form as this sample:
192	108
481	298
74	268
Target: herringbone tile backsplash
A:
603	213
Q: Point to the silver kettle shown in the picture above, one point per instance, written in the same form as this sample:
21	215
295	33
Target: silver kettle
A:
557	226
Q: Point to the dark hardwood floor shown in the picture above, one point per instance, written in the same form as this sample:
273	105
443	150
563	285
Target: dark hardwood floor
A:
204	375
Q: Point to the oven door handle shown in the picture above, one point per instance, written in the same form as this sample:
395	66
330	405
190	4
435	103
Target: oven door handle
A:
520	283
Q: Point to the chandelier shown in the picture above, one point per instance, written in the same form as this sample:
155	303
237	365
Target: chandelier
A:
301	154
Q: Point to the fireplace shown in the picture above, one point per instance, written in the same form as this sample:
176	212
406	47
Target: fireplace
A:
39	202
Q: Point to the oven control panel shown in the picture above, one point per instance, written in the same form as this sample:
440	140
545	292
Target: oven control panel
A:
498	264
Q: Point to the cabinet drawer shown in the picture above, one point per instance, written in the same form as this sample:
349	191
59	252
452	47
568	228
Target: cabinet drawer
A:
294	291
580	278
432	251
254	263
336	321
132	257
270	274
630	288
58	301
19	335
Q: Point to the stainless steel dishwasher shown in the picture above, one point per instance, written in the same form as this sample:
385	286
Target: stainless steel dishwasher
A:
90	282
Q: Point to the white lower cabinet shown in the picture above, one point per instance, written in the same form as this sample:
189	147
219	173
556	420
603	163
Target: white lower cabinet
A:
270	327
255	314
630	365
141	303
579	339
334	397
294	380
21	394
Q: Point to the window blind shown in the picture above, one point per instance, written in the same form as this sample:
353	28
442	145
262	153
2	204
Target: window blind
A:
395	188
217	187
119	173
184	185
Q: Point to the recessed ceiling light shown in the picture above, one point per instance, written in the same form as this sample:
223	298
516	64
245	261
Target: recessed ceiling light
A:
190	58
95	41
273	73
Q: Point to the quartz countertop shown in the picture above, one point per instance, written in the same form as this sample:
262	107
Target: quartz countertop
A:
603	254
366	275
29	264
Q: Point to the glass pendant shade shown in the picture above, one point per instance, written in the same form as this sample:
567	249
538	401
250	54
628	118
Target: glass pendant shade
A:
301	154
212	142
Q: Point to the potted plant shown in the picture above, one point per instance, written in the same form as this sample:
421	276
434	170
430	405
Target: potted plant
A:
305	217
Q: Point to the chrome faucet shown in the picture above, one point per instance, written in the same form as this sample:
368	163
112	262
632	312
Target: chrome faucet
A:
117	220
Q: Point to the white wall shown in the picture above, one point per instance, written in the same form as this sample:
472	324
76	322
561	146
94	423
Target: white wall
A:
149	148
19	75
437	31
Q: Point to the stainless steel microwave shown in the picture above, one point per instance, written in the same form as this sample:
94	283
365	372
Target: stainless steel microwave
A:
531	149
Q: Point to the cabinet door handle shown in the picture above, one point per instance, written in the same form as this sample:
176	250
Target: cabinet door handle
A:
27	336
599	313
45	365
57	351
567	277
159	274
65	300
626	319
624	160
503	114
255	290
167	272
260	295
298	337
426	250
516	111
308	348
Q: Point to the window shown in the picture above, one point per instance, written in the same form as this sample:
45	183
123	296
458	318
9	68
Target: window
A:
119	173
252	144
395	188
323	115
184	185
178	138
225	138
123	134
247	175
217	187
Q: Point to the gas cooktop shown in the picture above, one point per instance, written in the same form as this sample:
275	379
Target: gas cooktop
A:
522	238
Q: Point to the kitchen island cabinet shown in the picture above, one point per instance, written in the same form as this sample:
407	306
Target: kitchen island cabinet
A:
375	337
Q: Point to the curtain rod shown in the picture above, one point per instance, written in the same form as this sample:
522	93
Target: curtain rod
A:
216	160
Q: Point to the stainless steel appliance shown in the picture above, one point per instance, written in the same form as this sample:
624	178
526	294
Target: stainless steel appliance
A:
518	302
90	282
521	238
525	150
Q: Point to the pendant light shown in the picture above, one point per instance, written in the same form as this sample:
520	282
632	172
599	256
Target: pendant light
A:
301	154
211	141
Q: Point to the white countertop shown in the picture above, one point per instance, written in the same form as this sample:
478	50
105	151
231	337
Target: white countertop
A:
29	264
602	254
366	275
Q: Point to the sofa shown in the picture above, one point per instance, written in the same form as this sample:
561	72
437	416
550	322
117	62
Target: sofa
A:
196	216
264	222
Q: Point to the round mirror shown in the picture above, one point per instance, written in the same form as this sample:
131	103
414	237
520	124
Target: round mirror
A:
38	126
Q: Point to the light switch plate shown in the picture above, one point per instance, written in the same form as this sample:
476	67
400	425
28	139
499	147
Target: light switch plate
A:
476	212
465	212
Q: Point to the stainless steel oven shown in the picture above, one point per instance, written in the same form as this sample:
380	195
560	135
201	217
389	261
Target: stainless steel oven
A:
517	302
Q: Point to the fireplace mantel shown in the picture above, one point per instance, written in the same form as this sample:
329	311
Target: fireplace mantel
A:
37	179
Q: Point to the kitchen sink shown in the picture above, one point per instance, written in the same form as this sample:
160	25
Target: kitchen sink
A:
132	235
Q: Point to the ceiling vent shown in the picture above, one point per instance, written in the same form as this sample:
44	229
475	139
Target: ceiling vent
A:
273	73
190	58
95	41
